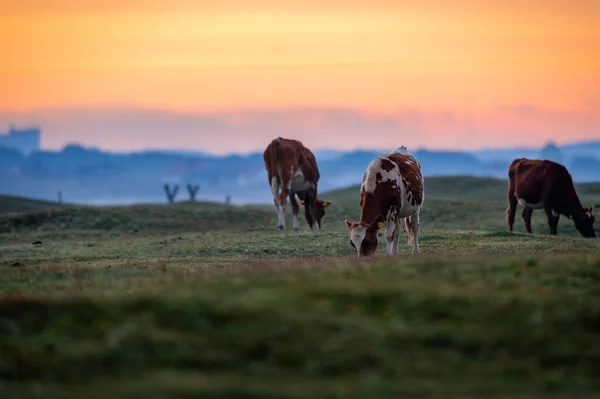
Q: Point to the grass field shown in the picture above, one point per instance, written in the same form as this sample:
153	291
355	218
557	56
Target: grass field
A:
206	300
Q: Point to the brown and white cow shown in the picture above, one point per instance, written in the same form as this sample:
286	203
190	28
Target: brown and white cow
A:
292	170
547	185
392	190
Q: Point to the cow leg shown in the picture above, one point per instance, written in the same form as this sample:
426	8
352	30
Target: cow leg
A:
397	236
275	191
312	194
313	209
527	212
281	211
552	221
556	217
415	224
295	211
511	211
392	235
307	210
283	195
275	188
409	231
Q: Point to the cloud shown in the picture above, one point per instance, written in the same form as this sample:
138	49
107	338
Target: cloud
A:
230	131
521	109
244	130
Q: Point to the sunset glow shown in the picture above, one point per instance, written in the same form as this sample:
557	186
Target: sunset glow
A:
471	71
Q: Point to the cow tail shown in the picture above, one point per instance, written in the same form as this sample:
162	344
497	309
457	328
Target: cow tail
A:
275	157
275	154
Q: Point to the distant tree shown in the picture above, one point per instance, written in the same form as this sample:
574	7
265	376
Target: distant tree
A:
193	190
551	152
171	193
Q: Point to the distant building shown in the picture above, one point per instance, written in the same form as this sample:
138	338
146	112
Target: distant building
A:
24	140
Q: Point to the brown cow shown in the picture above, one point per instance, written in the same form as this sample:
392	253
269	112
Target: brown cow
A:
547	185
392	189
292	170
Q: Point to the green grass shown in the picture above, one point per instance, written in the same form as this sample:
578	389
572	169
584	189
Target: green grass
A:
201	300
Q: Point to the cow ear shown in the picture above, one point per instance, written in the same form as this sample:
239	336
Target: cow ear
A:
377	222
348	224
325	204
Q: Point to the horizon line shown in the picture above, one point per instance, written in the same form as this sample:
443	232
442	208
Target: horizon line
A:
314	149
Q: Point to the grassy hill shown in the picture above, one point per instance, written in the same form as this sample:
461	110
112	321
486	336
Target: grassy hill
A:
464	188
206	300
10	203
451	203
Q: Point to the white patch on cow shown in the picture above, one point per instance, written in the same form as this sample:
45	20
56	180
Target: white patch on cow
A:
370	183
588	215
390	216
524	203
555	214
281	216
357	235
298	183
296	222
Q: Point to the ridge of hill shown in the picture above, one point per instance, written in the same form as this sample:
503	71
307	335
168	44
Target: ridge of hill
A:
459	202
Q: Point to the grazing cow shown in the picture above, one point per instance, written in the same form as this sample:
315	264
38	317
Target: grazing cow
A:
292	170
391	190
547	185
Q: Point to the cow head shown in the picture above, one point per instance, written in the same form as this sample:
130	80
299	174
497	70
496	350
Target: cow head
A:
584	221
321	205
363	236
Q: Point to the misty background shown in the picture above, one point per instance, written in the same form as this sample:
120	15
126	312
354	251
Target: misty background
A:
90	176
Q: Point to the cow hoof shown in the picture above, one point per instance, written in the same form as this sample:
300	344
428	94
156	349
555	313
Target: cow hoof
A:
296	228
280	227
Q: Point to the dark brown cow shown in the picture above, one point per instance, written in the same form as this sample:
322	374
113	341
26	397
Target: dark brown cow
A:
547	185
392	190
292	170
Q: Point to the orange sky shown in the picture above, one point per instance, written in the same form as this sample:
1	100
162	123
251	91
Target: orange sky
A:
527	70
